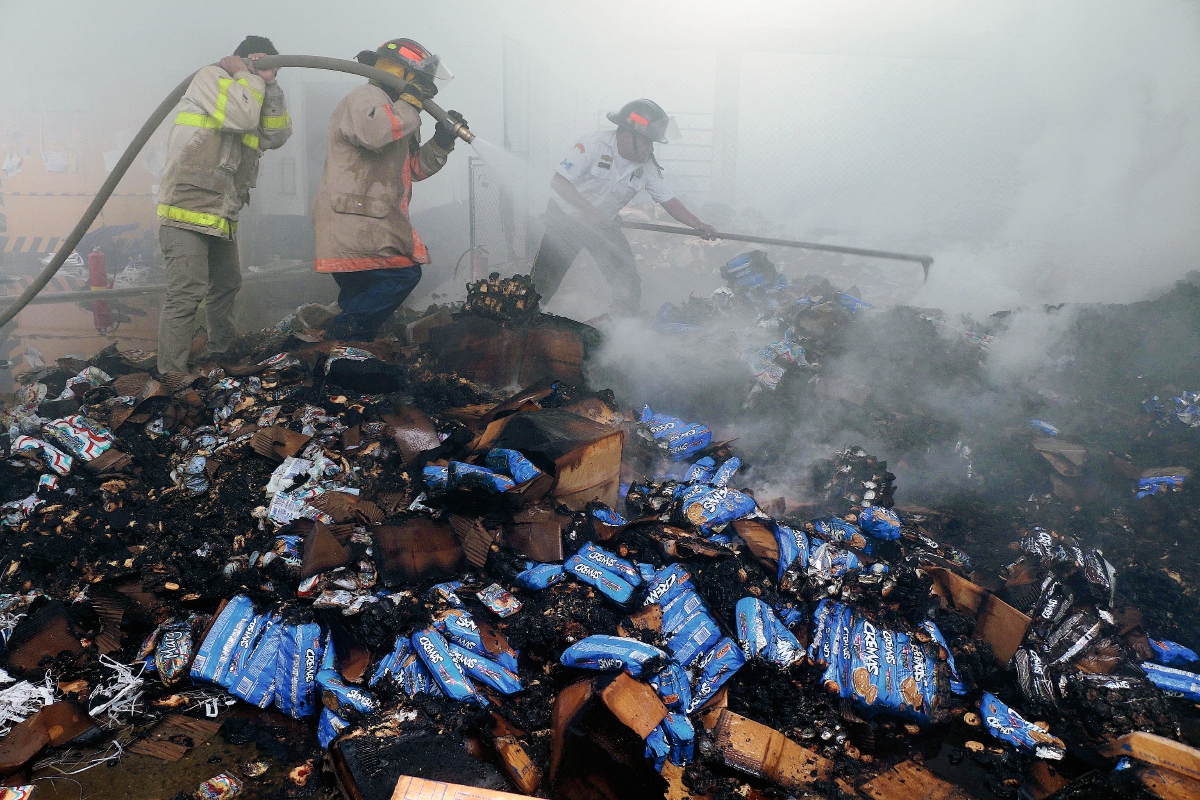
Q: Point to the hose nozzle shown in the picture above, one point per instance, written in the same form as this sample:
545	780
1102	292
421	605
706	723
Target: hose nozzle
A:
456	126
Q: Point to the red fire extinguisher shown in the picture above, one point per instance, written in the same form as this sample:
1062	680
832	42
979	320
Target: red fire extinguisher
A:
98	280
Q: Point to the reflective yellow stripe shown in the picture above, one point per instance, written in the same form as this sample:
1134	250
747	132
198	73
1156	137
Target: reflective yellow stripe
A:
196	218
196	120
257	94
275	123
222	99
201	121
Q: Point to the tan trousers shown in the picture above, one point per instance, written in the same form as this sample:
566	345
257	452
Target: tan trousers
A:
199	267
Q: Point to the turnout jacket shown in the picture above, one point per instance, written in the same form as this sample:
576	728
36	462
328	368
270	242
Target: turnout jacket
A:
222	124
360	215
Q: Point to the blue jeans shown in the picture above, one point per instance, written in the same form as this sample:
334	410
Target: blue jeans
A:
369	298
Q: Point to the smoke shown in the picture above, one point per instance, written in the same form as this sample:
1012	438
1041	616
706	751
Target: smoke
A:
1041	153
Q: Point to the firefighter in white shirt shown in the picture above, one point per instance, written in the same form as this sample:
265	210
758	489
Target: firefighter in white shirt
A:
601	175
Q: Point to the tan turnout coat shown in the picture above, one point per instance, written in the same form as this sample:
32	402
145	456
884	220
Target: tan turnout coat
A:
360	215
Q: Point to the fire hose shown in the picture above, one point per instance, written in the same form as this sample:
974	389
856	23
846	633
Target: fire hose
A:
151	125
924	261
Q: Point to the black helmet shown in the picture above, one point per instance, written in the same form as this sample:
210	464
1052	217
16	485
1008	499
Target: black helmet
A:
647	118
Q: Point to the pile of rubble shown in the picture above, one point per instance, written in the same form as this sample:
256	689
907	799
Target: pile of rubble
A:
537	592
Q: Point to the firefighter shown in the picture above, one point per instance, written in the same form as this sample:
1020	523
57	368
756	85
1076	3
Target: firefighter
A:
229	114
599	177
360	216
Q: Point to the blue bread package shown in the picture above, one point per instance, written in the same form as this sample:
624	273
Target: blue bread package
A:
389	665
296	669
610	585
436	478
212	657
468	476
614	564
512	463
701	471
445	592
673	686
680	439
657	747
821	624
608	516
711	507
1174	681
335	693
174	652
406	670
717	666
458	626
1008	726
536	577
793	549
329	726
414	678
956	684
761	634
646	571
681	736
835	529
244	649
434	652
680	607
667	582
694	638
790	614
256	680
610	652
488	672
1172	654
882	523
724	473
829	561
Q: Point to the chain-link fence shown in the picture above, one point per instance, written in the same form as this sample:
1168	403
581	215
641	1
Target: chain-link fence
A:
498	220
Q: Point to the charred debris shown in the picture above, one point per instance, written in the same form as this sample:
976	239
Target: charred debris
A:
386	572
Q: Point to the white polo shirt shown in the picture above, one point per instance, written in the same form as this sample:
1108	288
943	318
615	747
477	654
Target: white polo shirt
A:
605	179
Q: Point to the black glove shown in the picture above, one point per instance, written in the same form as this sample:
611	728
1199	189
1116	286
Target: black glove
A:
442	134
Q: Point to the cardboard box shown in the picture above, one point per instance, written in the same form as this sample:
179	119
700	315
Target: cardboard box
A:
586	455
996	622
418	549
910	781
410	788
766	753
634	703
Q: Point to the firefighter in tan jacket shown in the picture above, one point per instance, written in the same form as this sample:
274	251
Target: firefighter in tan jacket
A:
360	215
230	113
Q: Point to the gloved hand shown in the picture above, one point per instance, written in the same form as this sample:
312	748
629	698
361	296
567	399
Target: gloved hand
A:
442	134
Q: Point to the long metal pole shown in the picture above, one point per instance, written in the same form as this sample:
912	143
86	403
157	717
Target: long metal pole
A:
151	288
924	261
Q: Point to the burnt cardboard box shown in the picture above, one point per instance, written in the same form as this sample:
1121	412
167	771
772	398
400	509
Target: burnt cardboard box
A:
416	550
536	533
584	456
910	781
765	752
